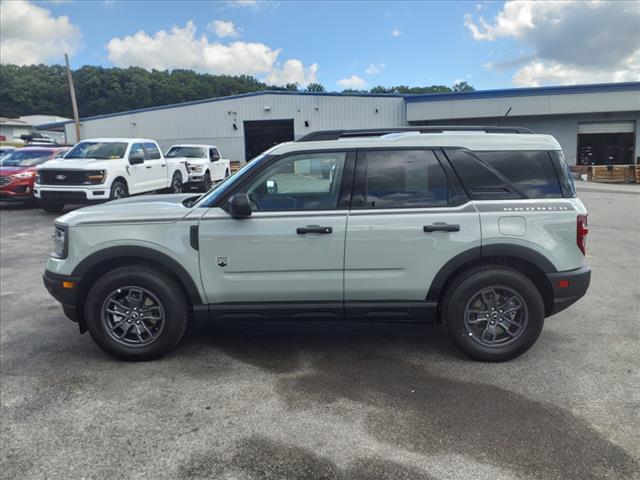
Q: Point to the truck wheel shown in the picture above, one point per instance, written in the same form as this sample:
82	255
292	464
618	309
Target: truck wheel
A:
136	313
118	190
176	183
206	183
52	207
226	173
493	313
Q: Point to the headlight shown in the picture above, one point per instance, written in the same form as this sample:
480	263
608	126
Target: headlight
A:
37	177
24	175
94	177
60	237
194	168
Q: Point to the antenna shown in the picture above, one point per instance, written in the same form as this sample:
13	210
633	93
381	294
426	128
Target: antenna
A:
505	117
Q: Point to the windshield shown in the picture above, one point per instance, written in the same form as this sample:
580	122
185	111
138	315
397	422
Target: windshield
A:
100	150
210	198
60	153
190	152
25	158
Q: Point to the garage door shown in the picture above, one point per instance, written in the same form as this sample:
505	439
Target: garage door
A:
606	143
606	127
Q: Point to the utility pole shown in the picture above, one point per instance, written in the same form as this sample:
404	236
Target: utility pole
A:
74	104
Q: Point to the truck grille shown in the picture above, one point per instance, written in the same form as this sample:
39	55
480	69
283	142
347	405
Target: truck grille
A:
61	177
4	181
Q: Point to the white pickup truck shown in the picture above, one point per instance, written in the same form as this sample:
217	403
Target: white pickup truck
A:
203	162
100	169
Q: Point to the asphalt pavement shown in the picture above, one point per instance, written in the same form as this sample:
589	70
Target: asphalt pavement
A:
285	401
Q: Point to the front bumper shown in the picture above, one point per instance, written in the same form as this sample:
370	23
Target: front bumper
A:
17	189
67	194
569	287
64	288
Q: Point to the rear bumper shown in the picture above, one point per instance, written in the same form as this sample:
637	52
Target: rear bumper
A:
569	287
68	297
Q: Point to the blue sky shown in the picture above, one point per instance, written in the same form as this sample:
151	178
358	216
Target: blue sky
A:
339	44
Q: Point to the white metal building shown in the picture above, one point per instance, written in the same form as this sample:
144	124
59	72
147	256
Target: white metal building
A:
597	123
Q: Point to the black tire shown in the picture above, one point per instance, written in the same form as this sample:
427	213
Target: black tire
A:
52	207
169	296
463	330
118	190
176	183
207	183
226	173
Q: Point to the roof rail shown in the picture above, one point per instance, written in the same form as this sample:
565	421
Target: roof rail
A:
324	135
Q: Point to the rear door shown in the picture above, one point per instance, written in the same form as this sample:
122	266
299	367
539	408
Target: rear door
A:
409	217
155	167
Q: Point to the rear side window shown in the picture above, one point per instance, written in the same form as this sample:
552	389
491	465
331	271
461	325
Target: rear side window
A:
404	179
152	151
506	174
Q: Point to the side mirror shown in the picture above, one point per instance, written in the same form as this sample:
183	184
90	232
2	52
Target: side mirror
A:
239	205
272	186
136	158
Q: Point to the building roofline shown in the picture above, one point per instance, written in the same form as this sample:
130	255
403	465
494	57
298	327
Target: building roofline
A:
409	98
232	97
525	92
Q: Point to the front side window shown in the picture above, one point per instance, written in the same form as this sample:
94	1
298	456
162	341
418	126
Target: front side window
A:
136	149
98	150
214	155
300	182
25	158
404	179
152	151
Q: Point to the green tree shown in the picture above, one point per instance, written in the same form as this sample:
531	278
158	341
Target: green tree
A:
463	87
315	87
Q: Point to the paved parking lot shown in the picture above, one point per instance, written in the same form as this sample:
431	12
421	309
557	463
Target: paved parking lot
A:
325	401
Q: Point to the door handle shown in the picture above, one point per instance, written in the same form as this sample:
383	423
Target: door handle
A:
441	227
149	166
313	229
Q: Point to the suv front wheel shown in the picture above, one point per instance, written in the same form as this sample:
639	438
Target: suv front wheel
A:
136	313
493	313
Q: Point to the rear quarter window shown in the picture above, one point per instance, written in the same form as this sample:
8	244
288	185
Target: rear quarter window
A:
507	174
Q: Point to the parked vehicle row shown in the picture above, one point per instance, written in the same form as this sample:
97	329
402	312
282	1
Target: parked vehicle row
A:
481	231
98	170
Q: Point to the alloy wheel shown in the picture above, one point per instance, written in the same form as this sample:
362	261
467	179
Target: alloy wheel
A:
495	316
133	316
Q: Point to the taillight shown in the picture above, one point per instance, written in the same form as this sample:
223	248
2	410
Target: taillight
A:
581	233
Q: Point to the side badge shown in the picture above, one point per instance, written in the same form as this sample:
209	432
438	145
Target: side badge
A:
222	261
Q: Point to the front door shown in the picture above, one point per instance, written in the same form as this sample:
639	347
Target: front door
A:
291	248
406	223
138	180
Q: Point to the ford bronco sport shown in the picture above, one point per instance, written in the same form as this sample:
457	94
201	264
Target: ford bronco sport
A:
476	228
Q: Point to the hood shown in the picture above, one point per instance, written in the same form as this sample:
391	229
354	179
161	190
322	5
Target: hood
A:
11	169
145	208
76	164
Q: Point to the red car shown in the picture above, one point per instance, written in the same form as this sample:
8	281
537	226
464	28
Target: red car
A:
18	170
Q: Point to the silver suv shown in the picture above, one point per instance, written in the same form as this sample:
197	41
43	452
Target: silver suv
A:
476	228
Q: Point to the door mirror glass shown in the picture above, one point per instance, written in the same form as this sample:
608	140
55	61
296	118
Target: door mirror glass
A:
272	186
136	157
239	205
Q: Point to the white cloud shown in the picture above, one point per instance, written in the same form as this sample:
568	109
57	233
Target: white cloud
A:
29	34
375	69
352	82
181	47
223	29
566	42
396	32
244	3
293	71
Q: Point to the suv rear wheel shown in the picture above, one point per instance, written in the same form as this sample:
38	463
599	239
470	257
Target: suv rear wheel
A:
493	313
136	313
